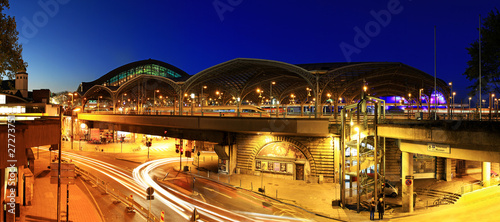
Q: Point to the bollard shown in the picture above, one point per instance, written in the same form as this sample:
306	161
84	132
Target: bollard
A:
208	174
251	186
276	193
218	177
229	179
240	182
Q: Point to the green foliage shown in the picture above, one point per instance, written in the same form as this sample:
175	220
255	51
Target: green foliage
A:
11	59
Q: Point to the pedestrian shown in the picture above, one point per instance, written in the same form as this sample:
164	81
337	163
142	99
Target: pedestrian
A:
372	209
381	208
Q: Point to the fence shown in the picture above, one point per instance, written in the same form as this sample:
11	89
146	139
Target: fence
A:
479	185
127	200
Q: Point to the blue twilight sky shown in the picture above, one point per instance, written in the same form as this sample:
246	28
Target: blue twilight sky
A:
71	41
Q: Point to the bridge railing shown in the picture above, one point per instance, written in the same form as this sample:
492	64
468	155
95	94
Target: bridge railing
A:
119	196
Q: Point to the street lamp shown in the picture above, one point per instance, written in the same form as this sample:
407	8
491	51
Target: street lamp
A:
468	113
308	103
330	101
154	98
238	105
201	99
98	102
72	123
271	96
453	103
451	86
409	101
491	103
192	103
72	100
420	98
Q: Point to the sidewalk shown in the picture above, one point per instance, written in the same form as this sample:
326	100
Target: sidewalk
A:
44	204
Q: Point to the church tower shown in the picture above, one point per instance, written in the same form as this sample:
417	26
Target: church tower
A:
22	83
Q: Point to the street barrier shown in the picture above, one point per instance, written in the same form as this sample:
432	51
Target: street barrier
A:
120	197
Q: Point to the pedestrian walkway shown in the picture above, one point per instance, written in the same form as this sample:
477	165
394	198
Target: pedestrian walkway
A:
44	204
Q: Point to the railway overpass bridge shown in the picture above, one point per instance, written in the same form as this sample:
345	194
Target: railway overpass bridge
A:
241	141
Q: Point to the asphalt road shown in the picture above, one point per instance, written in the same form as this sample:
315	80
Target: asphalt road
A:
214	201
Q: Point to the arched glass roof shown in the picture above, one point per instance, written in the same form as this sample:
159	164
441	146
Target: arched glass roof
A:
122	74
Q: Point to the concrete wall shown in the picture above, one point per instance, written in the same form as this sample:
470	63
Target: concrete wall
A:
317	150
392	160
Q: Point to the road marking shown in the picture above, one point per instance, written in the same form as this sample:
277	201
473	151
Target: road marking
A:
212	190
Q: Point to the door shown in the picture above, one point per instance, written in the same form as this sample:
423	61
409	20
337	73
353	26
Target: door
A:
460	168
299	171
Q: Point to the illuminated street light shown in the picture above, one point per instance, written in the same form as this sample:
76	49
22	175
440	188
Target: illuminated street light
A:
271	96
98	102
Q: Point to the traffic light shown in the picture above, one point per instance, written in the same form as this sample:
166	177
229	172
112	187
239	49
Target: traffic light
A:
182	151
165	133
194	148
177	148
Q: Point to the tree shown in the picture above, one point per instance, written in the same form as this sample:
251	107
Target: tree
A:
11	59
490	56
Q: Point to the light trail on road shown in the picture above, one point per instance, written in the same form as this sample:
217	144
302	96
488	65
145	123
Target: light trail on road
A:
178	202
141	174
140	180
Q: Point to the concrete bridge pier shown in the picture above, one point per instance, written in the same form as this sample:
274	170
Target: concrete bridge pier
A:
407	180
448	172
486	172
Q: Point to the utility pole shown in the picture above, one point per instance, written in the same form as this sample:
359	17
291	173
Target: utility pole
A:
59	168
480	100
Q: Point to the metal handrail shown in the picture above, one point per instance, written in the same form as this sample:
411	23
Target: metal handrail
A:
116	194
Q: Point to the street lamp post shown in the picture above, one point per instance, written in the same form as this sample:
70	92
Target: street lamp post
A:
452	104
154	98
308	103
451	90
420	99
271	96
238	105
72	105
468	113
201	99
123	102
72	100
330	101
409	110
495	107
98	103
491	103
192	104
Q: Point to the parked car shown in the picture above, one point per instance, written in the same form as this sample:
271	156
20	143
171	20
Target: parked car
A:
390	189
